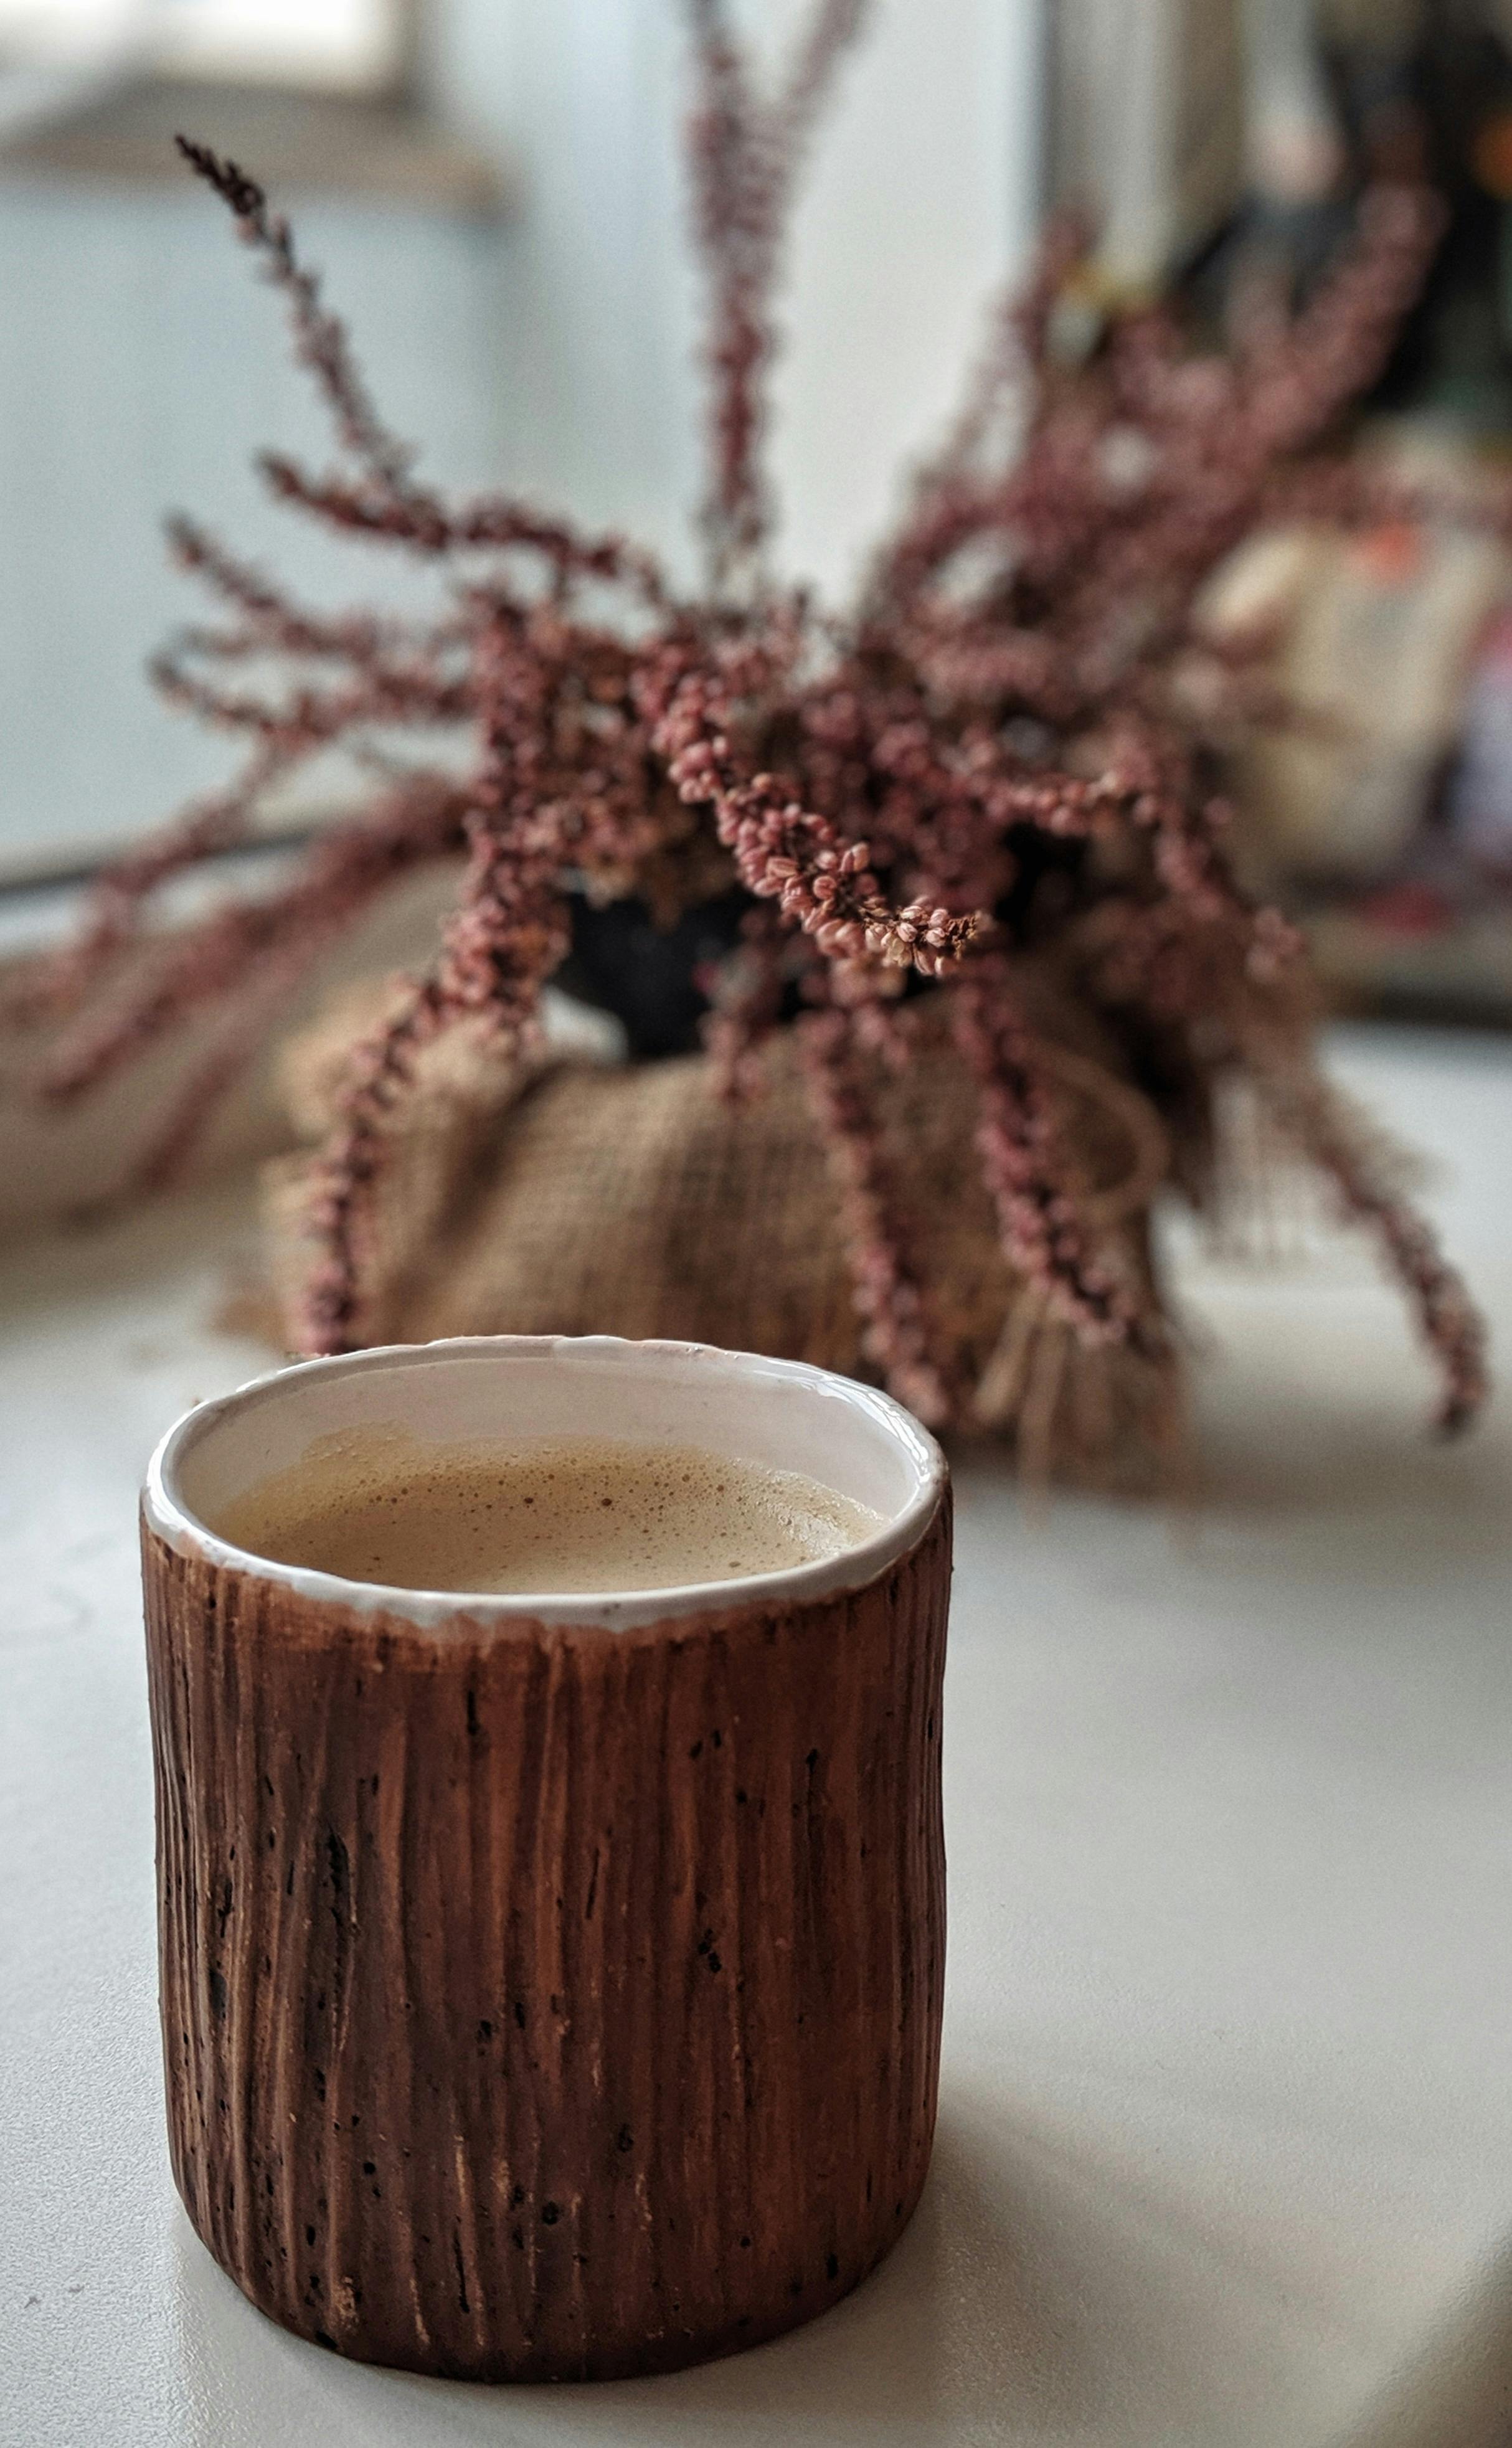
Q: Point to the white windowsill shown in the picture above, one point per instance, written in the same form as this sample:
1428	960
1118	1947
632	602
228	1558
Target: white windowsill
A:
391	149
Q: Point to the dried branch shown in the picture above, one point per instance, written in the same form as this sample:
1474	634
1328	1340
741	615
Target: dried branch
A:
320	341
744	155
888	1292
1043	1236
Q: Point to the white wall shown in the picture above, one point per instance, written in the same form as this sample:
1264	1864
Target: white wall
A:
140	366
920	198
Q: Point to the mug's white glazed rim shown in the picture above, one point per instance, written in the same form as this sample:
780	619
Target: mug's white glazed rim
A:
698	1369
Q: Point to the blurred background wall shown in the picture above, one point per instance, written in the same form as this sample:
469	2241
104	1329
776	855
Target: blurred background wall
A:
542	336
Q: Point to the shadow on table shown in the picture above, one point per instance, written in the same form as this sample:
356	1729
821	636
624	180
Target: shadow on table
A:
1354	1487
937	2343
1049	2288
1458	2391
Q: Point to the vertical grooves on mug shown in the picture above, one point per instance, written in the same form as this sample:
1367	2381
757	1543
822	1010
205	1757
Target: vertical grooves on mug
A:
543	2001
236	1913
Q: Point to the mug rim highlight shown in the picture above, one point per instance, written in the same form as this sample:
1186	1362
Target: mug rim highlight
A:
167	1512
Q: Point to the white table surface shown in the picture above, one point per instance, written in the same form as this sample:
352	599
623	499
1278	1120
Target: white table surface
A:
1225	2145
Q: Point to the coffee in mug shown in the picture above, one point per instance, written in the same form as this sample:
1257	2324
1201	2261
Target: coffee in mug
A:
584	1513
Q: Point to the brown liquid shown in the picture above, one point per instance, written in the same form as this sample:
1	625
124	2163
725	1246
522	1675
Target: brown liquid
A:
581	1514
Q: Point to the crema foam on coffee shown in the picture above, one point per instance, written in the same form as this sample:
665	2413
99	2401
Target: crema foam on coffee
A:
584	1513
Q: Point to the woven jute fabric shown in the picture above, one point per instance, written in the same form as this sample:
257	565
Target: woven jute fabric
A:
575	1197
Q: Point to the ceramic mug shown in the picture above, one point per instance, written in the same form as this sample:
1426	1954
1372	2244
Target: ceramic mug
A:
550	1985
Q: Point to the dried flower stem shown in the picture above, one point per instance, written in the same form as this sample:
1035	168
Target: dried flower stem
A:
744	155
351	866
888	1292
321	339
500	946
1043	1236
1318	1122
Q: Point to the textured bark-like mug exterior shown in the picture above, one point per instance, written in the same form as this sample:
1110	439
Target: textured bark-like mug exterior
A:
539	1999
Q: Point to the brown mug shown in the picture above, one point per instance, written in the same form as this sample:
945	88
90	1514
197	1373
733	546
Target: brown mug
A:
550	1986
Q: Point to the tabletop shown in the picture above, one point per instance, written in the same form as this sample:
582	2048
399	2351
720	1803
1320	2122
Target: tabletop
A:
1225	2143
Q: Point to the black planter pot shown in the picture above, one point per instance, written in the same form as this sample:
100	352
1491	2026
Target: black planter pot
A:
622	962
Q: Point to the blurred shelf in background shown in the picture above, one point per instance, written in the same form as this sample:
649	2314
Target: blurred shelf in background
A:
386	147
1372	963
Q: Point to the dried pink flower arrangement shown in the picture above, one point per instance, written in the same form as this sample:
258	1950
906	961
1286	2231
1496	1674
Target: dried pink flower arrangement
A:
1008	749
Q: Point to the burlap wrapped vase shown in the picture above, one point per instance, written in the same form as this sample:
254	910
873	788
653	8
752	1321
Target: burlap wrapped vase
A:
576	1195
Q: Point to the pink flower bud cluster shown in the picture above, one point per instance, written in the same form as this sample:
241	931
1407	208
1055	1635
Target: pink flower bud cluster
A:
785	852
